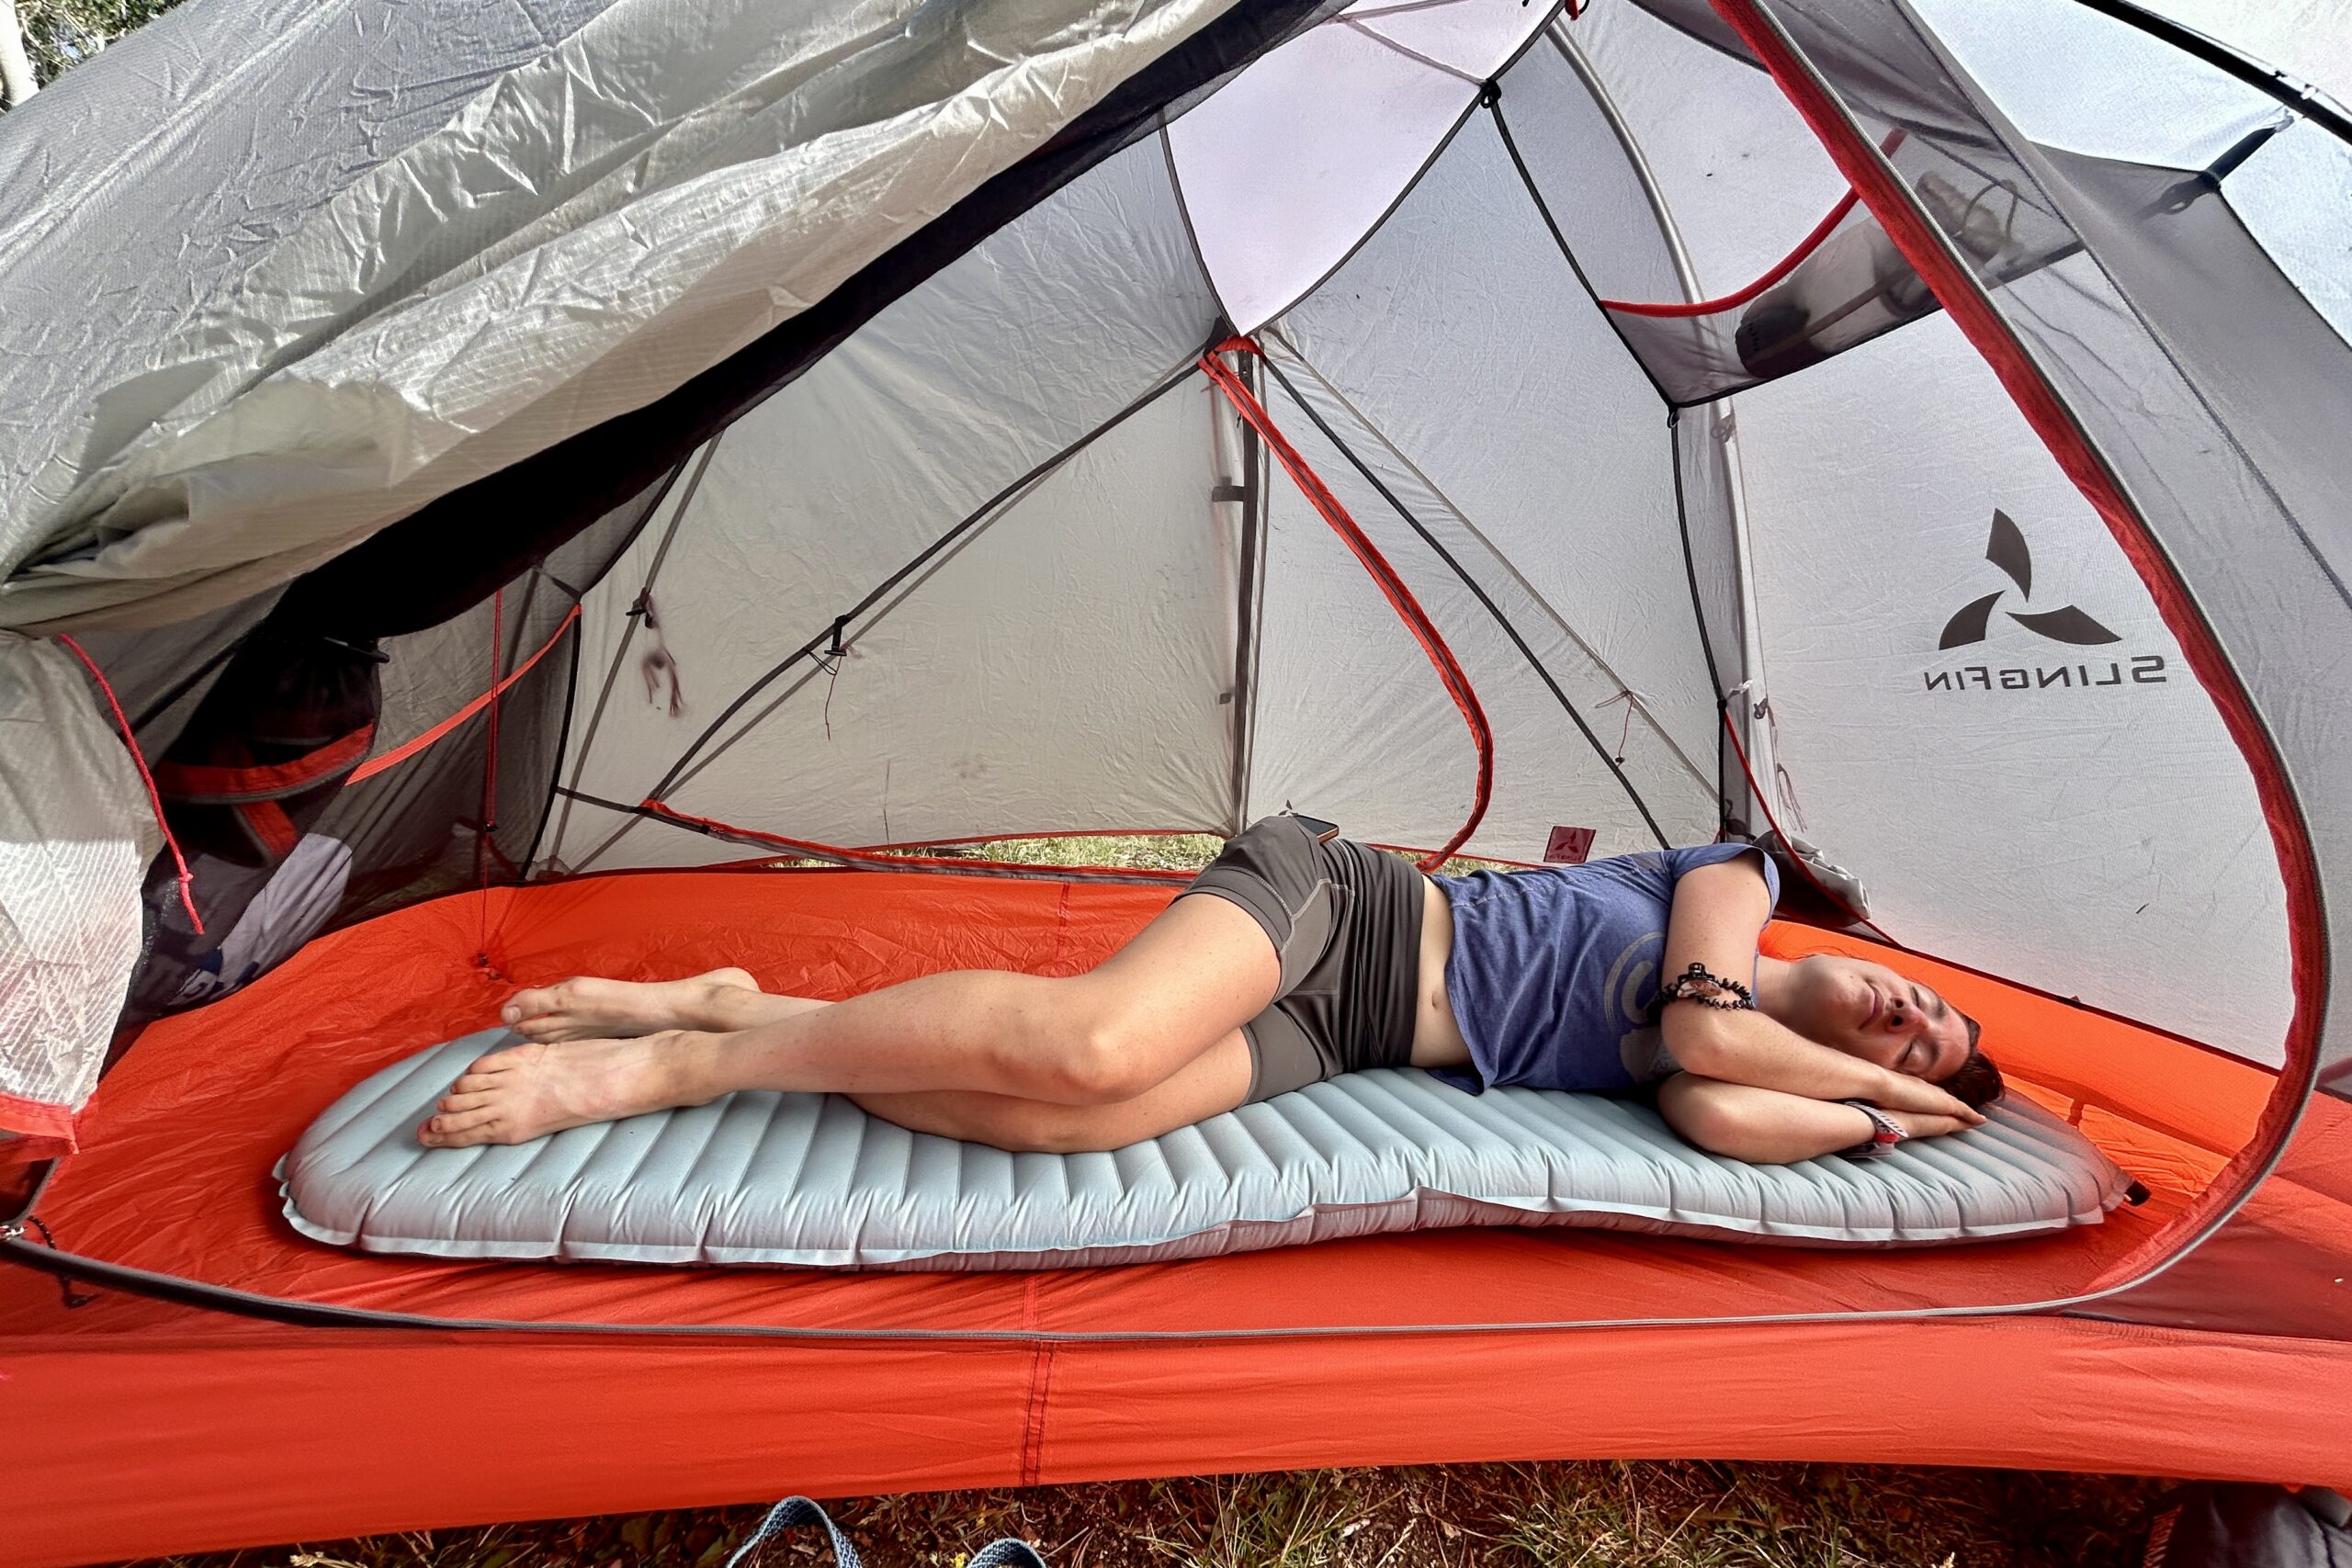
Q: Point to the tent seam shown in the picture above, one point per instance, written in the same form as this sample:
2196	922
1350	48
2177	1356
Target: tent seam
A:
1410	186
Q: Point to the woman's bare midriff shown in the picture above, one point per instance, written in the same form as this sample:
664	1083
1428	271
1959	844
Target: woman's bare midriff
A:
1437	1038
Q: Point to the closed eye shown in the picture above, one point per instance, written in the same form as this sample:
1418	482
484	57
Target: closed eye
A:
1923	1047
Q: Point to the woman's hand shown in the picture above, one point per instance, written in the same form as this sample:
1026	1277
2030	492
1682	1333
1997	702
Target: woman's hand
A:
1920	1124
1904	1095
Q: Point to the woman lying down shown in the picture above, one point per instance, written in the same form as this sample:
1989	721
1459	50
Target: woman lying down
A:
1291	959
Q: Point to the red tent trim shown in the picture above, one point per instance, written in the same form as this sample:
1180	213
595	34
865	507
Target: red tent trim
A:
1932	256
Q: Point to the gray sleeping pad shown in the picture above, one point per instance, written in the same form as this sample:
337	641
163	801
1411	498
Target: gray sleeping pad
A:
759	1177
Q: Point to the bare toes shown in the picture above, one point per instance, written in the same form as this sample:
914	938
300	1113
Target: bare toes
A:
496	1062
530	1003
455	1102
441	1131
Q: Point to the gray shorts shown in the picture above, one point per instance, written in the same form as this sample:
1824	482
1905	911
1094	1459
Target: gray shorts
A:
1345	919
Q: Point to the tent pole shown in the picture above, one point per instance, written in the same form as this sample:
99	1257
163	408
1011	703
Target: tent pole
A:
2302	97
1747	679
1642	174
1752	690
1244	699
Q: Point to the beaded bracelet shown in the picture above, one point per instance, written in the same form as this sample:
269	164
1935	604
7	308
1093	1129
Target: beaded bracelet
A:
1695	985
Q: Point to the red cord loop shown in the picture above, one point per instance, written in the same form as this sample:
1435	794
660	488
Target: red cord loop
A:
402	752
1400	598
1779	270
155	801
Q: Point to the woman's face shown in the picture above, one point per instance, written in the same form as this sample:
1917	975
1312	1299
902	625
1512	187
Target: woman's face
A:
1868	1011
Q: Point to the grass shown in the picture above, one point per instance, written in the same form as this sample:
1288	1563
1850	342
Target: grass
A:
1681	1514
1684	1514
1159	851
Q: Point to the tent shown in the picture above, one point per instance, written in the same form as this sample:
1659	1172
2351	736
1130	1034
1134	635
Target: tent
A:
523	473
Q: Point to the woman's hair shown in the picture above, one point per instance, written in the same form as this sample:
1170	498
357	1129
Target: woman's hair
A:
1976	1082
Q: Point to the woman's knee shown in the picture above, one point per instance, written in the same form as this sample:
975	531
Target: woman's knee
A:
1088	1043
1102	1057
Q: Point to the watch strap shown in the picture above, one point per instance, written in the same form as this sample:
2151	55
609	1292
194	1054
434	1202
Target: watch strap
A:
1885	1132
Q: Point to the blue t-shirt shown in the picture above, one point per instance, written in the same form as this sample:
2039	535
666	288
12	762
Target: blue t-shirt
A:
1554	973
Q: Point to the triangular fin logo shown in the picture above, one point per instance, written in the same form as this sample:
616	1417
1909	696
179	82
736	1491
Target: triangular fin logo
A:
2007	548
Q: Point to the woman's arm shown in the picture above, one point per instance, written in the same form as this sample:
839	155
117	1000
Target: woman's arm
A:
1718	913
1764	1126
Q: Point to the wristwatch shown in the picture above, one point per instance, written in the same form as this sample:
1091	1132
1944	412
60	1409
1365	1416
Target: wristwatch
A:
1885	1132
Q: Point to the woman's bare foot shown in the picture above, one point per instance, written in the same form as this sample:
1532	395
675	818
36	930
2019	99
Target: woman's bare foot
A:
588	1009
526	1091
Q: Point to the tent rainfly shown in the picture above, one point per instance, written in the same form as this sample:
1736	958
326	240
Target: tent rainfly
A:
521	471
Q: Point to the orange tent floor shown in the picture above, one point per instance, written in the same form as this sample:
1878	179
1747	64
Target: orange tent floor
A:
161	1427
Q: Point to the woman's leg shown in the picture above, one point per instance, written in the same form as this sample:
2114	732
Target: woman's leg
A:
587	1008
727	999
1210	1084
1185	983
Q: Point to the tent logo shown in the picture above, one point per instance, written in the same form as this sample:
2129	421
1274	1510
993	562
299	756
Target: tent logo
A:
2006	549
2069	624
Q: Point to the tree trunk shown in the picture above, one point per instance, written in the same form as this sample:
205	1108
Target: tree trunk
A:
17	82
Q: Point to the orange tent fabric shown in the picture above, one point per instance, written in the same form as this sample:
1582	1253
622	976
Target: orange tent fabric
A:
1433	1347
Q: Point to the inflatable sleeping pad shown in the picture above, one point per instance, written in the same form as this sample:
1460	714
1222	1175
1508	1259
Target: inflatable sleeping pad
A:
758	1178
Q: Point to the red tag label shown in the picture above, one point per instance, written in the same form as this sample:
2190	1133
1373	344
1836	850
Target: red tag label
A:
1567	846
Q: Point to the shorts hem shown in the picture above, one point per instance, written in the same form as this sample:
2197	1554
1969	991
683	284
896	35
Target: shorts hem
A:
1245	895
